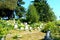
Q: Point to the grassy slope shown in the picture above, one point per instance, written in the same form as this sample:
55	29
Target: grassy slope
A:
25	35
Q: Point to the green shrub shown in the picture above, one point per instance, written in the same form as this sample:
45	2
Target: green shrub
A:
35	25
4	27
21	25
57	23
55	30
49	26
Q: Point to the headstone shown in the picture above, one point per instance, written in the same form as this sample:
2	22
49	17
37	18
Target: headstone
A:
14	21
38	28
30	28
48	36
26	26
41	26
15	26
2	38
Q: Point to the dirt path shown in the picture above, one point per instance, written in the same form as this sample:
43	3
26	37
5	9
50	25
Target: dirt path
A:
26	35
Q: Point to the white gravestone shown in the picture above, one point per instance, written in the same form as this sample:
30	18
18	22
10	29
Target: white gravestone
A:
26	26
30	28
14	21
38	28
48	34
15	26
41	26
2	38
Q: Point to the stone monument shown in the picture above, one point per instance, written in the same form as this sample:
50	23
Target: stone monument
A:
48	36
15	26
26	26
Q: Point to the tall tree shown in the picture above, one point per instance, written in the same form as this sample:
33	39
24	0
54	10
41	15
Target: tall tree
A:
20	9
44	10
8	6
32	15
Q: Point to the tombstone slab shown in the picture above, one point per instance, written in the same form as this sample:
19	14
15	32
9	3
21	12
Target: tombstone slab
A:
15	26
26	26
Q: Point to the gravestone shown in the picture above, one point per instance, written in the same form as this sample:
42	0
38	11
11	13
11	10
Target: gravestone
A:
48	36
2	38
30	28
41	26
15	26
14	21
26	26
38	28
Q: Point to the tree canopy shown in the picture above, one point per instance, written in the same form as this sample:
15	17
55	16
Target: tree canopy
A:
32	15
8	4
44	10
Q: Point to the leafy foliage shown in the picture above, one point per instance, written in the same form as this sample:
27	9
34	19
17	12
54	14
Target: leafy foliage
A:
35	25
44	10
4	28
49	26
55	30
20	10
8	4
32	15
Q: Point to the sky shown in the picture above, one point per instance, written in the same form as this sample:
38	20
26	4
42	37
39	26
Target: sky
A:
55	4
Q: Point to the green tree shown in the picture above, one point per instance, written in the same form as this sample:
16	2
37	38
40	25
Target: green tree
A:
32	15
20	9
8	6
44	10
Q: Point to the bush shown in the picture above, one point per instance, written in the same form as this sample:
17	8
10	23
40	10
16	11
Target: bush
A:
4	27
21	25
55	30
57	23
35	25
49	26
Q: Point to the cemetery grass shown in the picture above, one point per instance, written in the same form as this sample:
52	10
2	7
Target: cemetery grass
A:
25	35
